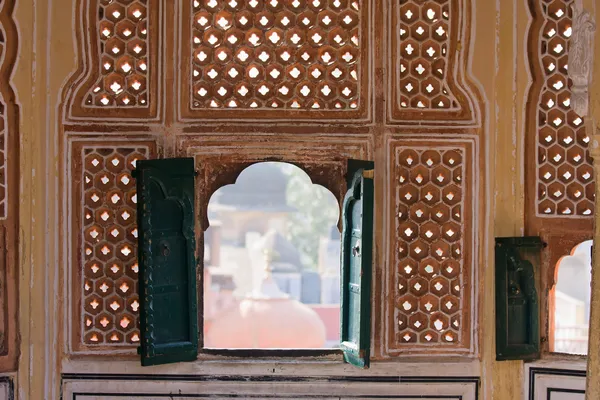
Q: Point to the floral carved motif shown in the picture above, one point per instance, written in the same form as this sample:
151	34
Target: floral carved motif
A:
581	56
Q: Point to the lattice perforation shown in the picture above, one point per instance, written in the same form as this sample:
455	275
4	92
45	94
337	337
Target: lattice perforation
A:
429	242
565	183
123	34
110	270
423	42
276	54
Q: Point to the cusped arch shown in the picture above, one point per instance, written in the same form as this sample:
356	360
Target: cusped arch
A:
570	297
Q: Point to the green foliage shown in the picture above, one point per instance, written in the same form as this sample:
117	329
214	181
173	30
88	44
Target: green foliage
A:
317	212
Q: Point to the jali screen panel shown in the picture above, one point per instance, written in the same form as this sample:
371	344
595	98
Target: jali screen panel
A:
565	182
424	60
296	56
118	73
432	253
108	232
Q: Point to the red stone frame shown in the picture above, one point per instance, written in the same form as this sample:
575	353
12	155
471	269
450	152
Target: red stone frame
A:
558	172
221	163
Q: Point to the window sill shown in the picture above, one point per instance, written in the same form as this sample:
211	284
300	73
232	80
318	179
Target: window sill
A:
332	365
272	353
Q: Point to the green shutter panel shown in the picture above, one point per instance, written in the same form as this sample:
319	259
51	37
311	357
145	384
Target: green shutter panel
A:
356	258
166	246
517	306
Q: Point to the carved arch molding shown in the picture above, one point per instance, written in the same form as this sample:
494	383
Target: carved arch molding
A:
157	78
9	188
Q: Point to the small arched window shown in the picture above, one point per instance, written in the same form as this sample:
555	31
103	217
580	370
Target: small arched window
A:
267	284
570	301
272	262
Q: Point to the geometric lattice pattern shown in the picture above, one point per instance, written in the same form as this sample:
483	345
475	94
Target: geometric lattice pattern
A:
123	49
110	268
564	169
276	54
429	240
423	45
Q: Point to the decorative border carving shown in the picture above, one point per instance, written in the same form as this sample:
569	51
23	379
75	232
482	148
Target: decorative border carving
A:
9	187
220	161
542	381
91	41
87	386
452	77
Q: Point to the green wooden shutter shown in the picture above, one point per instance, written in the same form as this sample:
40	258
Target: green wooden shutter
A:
356	258
517	306
166	246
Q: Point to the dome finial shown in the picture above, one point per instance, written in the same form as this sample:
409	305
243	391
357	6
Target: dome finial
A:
270	255
268	288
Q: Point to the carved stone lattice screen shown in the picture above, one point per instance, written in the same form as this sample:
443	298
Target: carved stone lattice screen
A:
565	184
275	55
430	282
109	232
124	66
422	66
120	78
212	79
423	48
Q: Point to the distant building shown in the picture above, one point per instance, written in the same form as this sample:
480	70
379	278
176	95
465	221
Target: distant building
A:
247	221
259	190
329	267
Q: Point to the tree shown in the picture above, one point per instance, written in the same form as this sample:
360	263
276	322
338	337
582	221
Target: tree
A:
317	212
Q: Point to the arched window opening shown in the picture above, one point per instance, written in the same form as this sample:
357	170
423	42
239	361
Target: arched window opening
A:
272	262
571	296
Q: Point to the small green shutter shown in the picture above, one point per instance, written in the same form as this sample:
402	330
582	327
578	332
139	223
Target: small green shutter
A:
517	306
166	246
356	258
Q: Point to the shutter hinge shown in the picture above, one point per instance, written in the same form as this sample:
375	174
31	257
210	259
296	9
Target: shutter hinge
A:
368	173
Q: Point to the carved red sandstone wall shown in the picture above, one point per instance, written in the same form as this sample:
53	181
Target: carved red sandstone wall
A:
217	74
